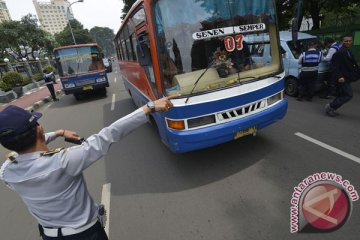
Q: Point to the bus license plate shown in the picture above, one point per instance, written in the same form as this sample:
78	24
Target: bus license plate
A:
88	88
245	132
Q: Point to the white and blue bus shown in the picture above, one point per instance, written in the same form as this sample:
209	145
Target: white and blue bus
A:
81	69
198	49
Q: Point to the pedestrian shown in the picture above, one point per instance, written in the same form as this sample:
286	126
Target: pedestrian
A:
329	85
309	61
51	183
344	71
48	77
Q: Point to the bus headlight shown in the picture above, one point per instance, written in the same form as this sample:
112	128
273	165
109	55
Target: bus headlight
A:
69	85
201	121
101	79
275	98
176	124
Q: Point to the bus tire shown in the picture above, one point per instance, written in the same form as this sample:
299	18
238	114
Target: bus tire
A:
77	96
103	91
153	124
291	86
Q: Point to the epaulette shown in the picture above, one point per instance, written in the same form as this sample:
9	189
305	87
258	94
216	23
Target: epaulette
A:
12	156
51	152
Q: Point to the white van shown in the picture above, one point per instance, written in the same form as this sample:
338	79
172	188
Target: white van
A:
260	53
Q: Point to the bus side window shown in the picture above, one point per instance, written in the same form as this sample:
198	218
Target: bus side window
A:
144	58
143	51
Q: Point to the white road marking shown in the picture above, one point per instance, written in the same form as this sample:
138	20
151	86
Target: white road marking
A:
113	102
328	147
105	199
115	79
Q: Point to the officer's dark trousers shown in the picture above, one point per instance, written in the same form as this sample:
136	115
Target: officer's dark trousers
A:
51	90
344	93
96	232
307	84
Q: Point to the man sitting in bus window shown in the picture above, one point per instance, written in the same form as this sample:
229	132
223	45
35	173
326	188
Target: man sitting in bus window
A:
169	68
96	64
70	70
242	58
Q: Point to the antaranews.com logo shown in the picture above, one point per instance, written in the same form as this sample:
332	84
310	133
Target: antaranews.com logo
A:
322	202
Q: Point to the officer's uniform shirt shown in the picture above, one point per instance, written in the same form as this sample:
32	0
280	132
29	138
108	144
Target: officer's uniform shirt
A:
48	78
310	60
52	185
332	50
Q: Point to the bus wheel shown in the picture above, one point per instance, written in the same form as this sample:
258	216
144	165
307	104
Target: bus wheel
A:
77	96
153	124
103	91
291	86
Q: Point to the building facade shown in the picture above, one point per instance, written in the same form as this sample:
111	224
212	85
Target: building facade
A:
4	12
53	15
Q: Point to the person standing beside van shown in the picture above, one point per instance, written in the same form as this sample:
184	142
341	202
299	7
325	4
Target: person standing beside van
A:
333	47
344	70
309	61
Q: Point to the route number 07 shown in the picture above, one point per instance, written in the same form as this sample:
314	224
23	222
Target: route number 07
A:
232	42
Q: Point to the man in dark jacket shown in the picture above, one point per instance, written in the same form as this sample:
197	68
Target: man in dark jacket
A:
344	71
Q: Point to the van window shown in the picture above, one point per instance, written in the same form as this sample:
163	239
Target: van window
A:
257	50
300	46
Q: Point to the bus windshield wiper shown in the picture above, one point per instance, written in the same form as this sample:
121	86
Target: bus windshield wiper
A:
197	81
249	77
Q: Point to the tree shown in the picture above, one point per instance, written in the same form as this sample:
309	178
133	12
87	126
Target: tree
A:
81	35
104	37
24	38
318	10
127	6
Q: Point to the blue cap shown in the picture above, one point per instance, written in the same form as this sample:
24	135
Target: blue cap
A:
15	121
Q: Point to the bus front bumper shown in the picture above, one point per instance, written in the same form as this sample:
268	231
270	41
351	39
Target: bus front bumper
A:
85	88
190	140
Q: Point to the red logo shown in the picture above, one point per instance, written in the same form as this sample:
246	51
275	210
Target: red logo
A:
326	207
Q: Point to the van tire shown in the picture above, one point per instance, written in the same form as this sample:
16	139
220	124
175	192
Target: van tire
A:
291	86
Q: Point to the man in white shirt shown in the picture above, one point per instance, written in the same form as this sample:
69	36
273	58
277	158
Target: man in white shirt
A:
51	183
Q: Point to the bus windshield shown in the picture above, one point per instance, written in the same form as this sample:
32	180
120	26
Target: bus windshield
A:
209	40
78	60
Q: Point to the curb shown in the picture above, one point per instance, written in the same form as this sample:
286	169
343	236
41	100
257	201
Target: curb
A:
39	104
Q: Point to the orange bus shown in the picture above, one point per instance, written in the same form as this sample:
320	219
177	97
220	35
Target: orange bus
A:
202	50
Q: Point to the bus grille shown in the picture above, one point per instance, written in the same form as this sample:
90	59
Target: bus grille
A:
241	111
85	82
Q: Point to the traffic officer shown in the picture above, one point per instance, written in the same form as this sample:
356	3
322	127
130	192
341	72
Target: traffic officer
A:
51	183
309	62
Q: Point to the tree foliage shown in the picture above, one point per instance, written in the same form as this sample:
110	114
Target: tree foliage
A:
81	35
104	37
24	39
127	6
320	11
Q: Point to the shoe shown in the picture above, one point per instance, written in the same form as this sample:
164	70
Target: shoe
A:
330	111
299	99
325	97
309	99
56	99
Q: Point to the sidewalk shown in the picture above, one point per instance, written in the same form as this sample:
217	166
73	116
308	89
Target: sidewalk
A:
35	98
